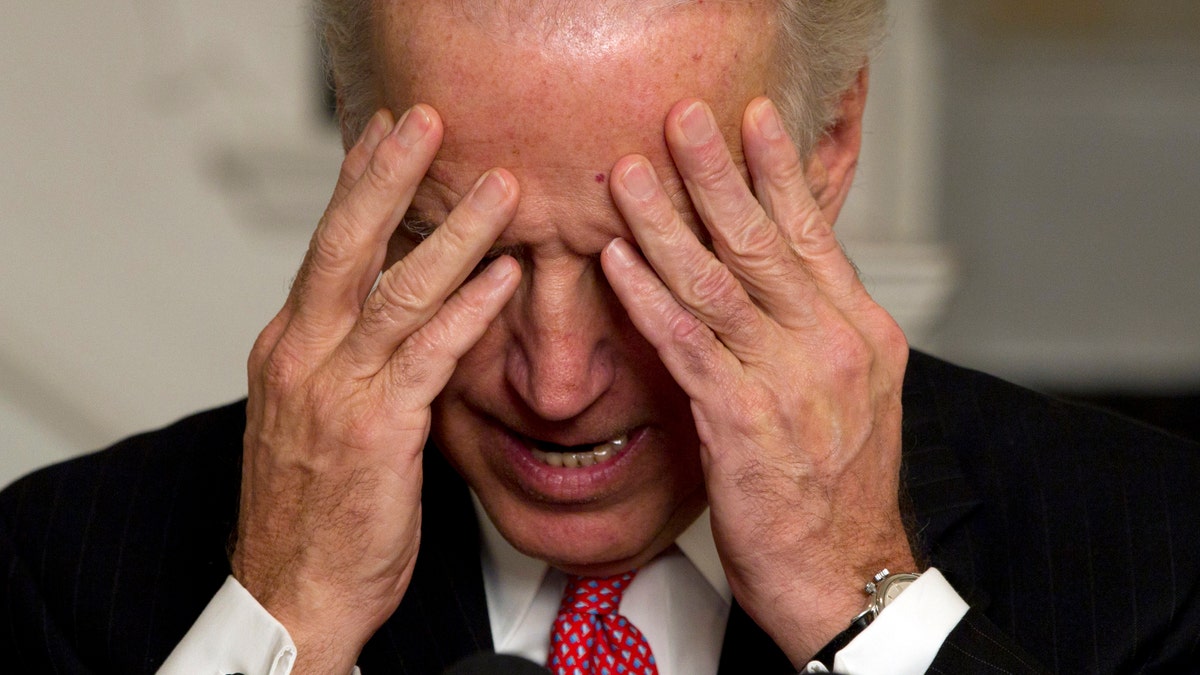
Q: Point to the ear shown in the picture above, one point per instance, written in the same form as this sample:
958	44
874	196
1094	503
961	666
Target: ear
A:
829	170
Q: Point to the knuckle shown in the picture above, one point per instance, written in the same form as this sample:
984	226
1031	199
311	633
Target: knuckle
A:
712	284
714	166
330	248
756	411
786	169
895	342
376	318
410	365
693	345
720	296
757	242
455	233
849	357
265	342
355	162
817	240
685	329
281	372
381	172
400	293
352	168
891	343
396	303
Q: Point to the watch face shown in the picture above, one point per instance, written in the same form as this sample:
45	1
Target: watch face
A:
893	590
893	586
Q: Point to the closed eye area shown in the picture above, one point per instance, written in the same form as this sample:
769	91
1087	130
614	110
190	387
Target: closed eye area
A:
415	228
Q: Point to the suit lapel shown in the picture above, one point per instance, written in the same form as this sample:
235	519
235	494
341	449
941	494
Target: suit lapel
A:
938	493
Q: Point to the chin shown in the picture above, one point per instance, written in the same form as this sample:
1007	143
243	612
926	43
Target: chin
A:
595	541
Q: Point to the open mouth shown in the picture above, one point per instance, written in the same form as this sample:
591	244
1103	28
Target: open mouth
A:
577	456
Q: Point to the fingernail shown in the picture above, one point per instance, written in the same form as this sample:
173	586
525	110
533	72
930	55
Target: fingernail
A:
697	124
490	191
639	181
621	252
376	129
498	270
766	118
412	127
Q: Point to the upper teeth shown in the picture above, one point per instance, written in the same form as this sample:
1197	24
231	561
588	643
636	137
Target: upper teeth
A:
599	454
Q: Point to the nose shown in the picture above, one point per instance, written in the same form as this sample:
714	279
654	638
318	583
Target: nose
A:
562	358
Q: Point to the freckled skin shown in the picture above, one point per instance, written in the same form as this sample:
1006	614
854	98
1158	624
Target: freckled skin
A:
563	359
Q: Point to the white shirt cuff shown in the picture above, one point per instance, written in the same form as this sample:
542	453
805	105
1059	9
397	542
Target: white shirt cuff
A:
234	634
907	636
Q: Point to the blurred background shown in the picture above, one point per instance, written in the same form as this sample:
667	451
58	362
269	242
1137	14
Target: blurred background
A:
1026	204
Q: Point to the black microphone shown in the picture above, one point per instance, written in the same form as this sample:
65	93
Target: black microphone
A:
486	663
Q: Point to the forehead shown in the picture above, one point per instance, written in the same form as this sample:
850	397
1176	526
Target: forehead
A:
557	92
490	68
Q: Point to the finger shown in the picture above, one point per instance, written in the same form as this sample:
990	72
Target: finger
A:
744	238
778	175
701	282
419	370
349	245
776	170
687	346
411	291
359	156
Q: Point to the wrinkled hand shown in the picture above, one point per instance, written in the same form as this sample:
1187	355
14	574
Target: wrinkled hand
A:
794	373
341	381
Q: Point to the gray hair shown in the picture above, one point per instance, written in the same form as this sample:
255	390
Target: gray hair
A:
825	44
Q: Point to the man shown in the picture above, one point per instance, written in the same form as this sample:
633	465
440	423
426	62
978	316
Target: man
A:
577	253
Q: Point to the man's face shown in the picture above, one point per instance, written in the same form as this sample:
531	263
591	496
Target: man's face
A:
562	376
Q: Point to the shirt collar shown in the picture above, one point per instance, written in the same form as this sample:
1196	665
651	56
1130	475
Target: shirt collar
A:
697	544
512	579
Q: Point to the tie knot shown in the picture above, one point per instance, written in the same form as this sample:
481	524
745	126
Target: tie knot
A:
595	595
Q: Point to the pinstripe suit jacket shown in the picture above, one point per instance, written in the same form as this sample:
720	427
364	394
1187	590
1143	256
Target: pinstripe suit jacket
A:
1073	535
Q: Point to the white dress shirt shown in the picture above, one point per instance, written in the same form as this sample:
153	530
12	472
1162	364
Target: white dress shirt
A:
680	601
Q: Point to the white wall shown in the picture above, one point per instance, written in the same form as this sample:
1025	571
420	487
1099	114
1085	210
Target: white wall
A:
1071	197
131	285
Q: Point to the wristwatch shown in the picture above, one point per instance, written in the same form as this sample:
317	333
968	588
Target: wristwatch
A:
881	590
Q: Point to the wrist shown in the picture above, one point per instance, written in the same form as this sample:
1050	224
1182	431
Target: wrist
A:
328	635
884	587
820	612
324	643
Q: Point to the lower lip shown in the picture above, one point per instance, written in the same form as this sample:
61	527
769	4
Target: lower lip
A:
565	485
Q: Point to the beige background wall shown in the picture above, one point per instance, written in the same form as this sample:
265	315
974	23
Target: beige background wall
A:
1071	192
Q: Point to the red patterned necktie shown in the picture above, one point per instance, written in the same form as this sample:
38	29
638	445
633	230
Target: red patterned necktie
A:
590	638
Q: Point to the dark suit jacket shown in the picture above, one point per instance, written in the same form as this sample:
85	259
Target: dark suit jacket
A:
1074	535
